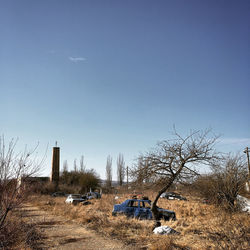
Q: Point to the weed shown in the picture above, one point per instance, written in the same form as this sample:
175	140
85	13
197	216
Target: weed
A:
201	226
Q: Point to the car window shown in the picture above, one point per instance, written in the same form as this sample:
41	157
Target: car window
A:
145	204
136	203
133	204
130	203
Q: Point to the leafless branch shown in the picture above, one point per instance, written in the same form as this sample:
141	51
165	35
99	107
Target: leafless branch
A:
14	167
175	159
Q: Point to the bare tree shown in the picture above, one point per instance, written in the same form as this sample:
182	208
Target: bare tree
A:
175	160
75	166
120	169
228	178
65	166
15	170
82	165
141	167
109	172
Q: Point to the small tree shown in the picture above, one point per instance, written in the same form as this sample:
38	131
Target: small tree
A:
75	166
175	160
89	180
65	166
109	172
224	183
82	165
15	170
120	169
82	181
140	175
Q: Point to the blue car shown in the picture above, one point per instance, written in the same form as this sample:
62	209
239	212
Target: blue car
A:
141	209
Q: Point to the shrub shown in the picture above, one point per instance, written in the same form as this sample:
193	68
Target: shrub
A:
15	170
222	186
16	234
82	180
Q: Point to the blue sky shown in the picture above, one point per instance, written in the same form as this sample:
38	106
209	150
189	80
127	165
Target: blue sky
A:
109	77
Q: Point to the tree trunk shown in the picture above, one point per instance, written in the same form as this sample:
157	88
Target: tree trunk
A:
155	212
3	218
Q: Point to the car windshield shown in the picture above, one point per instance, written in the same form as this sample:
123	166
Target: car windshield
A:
133	203
137	203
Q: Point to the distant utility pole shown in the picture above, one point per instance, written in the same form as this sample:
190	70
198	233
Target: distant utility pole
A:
246	151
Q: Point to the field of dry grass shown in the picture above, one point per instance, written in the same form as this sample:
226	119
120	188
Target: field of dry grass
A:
201	226
17	234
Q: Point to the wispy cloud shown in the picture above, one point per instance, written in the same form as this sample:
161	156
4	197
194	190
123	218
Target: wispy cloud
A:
77	59
235	141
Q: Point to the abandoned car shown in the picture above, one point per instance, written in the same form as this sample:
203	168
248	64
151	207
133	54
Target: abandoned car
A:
58	194
172	196
75	199
141	209
93	195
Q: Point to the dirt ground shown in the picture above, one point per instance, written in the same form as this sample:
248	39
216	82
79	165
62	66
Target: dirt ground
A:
59	233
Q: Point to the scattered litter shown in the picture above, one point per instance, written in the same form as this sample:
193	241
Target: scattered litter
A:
172	196
116	198
163	230
245	203
50	203
205	201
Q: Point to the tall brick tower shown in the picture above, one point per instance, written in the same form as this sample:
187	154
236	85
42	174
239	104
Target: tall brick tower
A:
55	165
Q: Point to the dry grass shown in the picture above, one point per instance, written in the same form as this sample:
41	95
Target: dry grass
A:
17	234
201	226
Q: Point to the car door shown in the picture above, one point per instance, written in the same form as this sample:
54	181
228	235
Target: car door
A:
144	211
130	208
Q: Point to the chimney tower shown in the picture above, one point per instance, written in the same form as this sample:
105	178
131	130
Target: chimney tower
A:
55	165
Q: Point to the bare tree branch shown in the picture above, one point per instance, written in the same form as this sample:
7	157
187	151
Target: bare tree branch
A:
109	172
120	169
175	159
14	168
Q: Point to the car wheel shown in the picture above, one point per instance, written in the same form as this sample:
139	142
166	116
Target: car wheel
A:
130	216
166	218
142	217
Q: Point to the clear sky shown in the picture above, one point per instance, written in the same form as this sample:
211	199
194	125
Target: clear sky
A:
109	76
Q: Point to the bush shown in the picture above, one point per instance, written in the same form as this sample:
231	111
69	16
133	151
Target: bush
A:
80	180
201	226
16	234
15	170
223	185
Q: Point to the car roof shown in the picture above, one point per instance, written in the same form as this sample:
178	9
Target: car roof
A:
138	200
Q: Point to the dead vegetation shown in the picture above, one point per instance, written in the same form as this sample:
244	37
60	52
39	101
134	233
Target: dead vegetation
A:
201	226
16	171
17	234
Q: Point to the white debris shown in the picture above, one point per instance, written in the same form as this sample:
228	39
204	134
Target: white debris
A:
245	203
164	230
116	198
